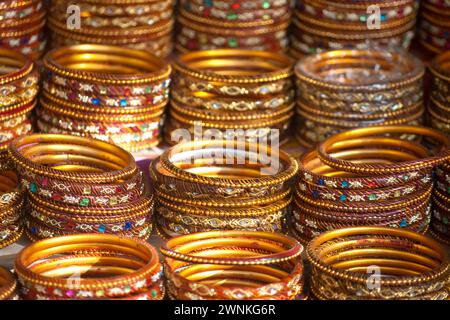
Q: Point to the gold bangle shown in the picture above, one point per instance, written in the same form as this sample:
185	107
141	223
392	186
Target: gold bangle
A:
104	150
442	151
155	69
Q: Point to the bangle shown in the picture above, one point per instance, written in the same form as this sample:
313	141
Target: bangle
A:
133	91
123	267
280	64
414	265
200	189
86	146
11	207
256	256
54	170
441	154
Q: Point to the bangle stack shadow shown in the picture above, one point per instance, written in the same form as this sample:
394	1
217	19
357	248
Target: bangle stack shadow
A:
81	185
221	185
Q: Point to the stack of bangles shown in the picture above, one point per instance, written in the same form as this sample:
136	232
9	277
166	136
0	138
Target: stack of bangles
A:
254	24
22	27
109	93
439	102
139	24
375	263
8	285
11	208
89	267
231	94
345	89
18	90
321	25
221	185
434	27
233	265
376	176
80	185
440	226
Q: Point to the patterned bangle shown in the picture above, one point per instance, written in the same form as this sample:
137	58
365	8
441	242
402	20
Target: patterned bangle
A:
124	224
354	13
131	105
366	195
18	151
440	155
143	202
36	231
261	14
216	102
396	250
179	223
84	200
112	253
97	128
155	69
127	141
117	188
53	82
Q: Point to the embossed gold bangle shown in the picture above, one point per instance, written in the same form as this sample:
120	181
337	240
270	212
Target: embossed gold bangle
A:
123	267
411	265
281	65
337	142
103	151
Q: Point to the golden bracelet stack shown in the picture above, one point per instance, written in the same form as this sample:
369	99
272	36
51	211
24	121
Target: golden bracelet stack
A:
434	26
439	100
321	25
135	24
231	93
248	25
109	93
221	185
233	265
80	185
22	27
377	176
373	263
90	267
345	89
19	86
11	207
